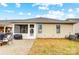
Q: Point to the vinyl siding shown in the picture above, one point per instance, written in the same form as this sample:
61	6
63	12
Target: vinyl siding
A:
49	31
76	28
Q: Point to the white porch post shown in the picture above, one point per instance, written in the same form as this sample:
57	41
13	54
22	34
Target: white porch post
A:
35	30
13	28
4	28
28	30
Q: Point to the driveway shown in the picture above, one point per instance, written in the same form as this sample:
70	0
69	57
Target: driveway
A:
18	47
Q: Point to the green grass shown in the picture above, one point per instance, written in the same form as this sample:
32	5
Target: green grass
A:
55	47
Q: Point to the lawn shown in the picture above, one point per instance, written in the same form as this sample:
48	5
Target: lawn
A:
54	47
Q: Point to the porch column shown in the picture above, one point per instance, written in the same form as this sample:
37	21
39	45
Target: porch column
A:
28	30
35	30
4	29
13	28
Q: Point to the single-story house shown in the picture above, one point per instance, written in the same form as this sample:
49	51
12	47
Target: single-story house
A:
38	27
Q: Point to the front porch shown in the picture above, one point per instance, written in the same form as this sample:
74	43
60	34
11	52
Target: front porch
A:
5	29
28	31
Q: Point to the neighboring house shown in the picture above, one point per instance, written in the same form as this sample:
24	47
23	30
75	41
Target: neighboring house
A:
38	27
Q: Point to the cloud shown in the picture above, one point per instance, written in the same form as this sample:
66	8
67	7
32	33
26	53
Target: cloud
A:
56	12
61	4
53	14
36	4
9	11
70	10
18	5
45	6
21	13
60	15
57	15
29	13
41	6
38	16
78	9
4	4
62	9
71	15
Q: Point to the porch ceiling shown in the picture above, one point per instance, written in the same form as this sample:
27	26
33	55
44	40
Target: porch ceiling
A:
2	24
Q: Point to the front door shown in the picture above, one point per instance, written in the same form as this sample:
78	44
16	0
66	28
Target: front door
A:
32	31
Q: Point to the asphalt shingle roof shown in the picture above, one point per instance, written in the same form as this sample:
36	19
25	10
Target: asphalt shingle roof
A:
36	20
73	19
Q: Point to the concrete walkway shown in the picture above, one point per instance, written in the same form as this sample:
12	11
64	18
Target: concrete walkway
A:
19	47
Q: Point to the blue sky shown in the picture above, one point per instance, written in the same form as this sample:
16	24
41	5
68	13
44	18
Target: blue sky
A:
31	10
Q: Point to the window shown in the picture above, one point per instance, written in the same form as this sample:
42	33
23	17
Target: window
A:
23	28
58	28
31	26
39	28
31	29
31	32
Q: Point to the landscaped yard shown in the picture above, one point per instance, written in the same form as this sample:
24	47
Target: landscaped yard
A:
55	47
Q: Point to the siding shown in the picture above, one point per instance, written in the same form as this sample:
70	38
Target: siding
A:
76	28
49	31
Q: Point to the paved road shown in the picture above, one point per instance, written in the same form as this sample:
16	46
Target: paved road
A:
19	47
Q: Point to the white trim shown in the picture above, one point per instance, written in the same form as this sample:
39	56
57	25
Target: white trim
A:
35	30
28	30
32	37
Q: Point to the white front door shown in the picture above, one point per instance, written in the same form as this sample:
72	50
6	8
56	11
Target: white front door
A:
32	34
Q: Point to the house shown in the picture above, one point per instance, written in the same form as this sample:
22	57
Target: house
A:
38	27
76	25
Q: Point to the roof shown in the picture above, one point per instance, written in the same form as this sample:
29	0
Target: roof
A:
37	20
73	19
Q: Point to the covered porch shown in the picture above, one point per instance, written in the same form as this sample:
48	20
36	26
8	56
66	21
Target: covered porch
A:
5	28
27	30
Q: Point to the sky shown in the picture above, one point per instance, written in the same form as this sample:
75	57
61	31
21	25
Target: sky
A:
59	11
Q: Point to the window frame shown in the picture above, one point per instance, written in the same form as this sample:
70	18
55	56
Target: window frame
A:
58	28
39	28
23	28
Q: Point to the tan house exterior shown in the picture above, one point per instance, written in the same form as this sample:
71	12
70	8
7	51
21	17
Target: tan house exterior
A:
76	28
49	31
40	27
76	25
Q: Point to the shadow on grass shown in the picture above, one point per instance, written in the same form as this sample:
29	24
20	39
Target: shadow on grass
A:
76	40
